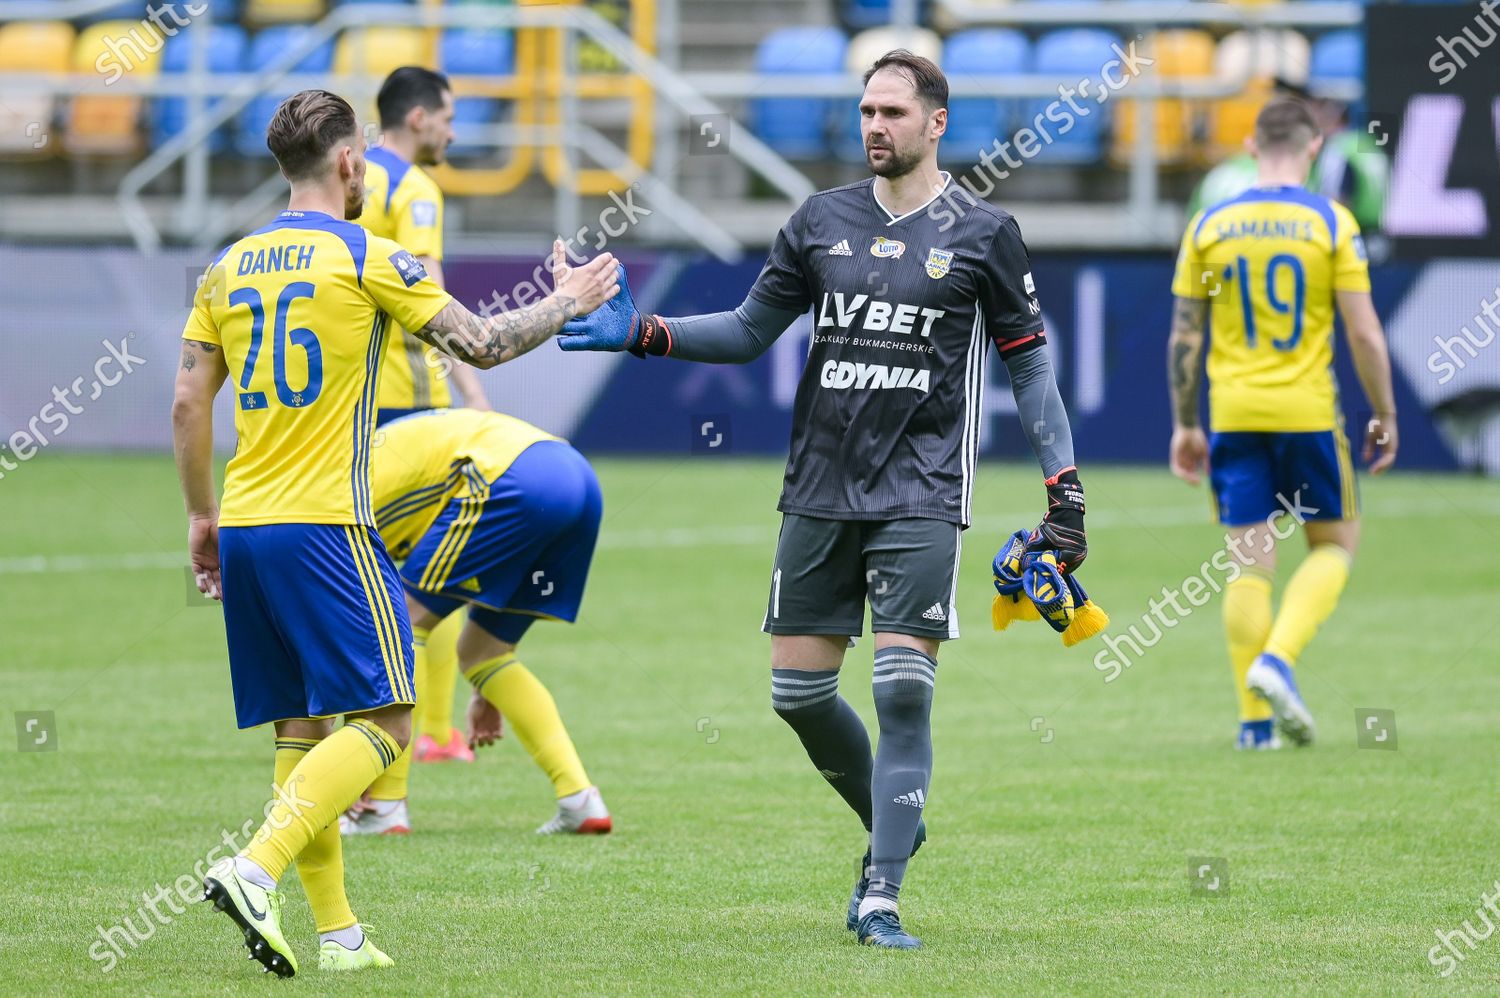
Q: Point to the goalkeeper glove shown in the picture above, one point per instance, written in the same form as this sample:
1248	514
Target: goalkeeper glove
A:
617	325
1061	530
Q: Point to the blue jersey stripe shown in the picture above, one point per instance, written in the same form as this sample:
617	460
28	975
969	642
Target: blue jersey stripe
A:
395	168
1285	195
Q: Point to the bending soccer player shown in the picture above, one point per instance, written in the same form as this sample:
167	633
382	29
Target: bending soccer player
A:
885	440
1273	263
403	203
491	514
298	313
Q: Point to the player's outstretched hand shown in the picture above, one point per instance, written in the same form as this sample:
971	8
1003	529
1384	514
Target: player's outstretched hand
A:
618	325
1189	454
485	723
1381	440
203	550
587	286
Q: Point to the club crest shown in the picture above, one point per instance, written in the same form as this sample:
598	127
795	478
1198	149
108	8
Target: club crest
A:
938	262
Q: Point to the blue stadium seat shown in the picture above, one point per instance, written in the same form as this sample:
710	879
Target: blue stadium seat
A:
1338	56
1071	54
797	127
265	48
465	52
130	10
223	11
975	122
348	3
226	54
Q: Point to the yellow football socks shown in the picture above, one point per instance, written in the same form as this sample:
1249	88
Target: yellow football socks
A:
321	863
1310	597
1247	621
330	777
393	783
532	714
435	689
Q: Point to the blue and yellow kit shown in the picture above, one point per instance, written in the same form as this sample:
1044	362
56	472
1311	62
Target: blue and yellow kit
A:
488	511
1270	261
404	204
312	604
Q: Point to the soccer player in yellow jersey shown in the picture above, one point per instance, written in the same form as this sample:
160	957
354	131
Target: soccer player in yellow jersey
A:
405	204
492	514
1267	269
296	314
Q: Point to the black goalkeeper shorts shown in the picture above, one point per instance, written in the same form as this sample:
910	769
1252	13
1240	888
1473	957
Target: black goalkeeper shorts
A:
825	570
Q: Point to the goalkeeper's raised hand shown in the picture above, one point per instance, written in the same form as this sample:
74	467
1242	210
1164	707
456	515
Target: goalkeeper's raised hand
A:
1061	530
617	325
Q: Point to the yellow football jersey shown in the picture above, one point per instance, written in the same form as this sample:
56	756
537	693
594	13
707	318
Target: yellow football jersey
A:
302	309
403	203
423	460
1270	261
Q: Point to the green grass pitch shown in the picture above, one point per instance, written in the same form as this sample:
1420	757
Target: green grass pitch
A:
1064	810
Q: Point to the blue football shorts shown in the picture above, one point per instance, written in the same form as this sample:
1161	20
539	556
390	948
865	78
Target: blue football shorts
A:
1255	475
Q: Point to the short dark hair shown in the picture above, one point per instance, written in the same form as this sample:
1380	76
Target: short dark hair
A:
926	79
1285	124
406	88
305	127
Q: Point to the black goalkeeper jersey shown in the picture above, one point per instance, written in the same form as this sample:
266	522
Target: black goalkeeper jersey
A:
886	420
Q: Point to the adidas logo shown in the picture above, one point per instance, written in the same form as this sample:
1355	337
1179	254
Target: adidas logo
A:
916	799
841	249
934	612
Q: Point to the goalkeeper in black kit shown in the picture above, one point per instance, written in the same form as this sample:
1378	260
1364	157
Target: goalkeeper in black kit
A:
884	448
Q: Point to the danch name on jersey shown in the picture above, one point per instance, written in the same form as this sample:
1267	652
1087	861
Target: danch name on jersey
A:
875	315
275	259
850	374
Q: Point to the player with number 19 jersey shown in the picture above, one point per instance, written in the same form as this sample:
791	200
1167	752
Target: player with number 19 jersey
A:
1270	261
303	309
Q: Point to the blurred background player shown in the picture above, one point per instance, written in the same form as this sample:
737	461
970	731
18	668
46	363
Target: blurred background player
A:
491	513
1273	262
298	312
1349	168
879	480
405	204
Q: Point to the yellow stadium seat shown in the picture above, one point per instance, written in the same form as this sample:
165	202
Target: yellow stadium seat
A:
1252	60
377	51
1179	55
101	123
260	12
31	47
872	43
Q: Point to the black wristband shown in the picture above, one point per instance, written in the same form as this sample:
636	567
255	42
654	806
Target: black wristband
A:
655	339
1065	492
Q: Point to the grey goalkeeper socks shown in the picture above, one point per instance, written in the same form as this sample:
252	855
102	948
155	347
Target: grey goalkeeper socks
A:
903	684
832	733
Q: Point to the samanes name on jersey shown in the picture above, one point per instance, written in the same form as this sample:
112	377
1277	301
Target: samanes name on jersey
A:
875	315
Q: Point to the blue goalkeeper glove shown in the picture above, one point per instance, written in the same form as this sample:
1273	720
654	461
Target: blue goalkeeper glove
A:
617	325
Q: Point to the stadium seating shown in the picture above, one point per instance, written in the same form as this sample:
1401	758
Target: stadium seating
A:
226	54
463	52
864	49
1253	60
128	10
1338	56
282	11
1182	54
101	124
265	48
377	51
181	11
26	121
975	122
1073	54
797	127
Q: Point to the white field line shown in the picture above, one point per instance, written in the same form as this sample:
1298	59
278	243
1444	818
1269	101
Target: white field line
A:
1195	516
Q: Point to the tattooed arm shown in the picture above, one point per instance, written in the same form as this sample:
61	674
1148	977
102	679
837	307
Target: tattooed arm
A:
1189	449
199	378
486	341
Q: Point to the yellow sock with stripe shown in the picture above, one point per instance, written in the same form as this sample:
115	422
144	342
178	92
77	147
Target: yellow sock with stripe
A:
321	864
435	690
1310	597
1247	621
532	714
330	777
394	783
